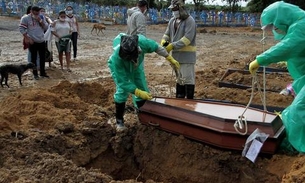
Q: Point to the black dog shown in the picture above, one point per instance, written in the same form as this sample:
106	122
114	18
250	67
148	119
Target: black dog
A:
14	69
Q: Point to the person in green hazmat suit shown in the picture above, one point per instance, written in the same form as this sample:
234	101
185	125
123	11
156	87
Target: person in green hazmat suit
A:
129	77
287	22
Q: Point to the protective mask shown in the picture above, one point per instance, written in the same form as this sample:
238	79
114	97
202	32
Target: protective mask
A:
69	12
42	13
278	34
62	19
176	14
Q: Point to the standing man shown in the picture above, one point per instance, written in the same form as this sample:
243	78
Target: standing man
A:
180	38
75	29
127	73
136	21
32	28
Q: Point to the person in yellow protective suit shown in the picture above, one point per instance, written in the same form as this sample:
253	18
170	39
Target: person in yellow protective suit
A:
288	24
129	77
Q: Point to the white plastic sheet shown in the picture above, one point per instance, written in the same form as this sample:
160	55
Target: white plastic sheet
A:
254	144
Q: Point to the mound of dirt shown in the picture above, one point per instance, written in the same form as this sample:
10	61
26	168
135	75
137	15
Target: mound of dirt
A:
57	131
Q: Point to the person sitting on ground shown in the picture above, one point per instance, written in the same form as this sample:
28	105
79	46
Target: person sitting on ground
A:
124	63
62	32
287	23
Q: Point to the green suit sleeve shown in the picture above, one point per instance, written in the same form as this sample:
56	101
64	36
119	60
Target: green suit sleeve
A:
189	34
287	48
147	45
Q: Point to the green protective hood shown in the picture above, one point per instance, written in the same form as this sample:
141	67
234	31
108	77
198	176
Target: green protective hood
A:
291	20
281	15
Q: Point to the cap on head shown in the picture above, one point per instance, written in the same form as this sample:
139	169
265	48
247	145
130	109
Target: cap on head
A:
175	3
129	48
142	3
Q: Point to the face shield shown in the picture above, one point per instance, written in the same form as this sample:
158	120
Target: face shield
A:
278	34
267	27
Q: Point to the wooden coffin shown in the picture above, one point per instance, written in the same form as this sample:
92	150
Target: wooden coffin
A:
211	122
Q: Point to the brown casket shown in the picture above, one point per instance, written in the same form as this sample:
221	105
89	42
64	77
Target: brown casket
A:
211	122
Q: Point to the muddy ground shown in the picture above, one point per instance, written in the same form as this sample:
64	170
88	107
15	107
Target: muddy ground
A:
60	129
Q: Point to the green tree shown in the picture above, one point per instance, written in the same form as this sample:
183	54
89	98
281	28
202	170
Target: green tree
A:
300	3
260	5
233	4
198	4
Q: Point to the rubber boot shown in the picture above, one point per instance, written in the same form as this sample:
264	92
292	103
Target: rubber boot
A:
180	91
140	103
190	89
119	115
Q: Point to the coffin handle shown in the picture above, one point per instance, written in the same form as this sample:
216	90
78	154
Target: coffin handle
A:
154	124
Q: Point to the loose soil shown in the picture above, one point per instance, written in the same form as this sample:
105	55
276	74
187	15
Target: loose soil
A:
61	129
243	79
